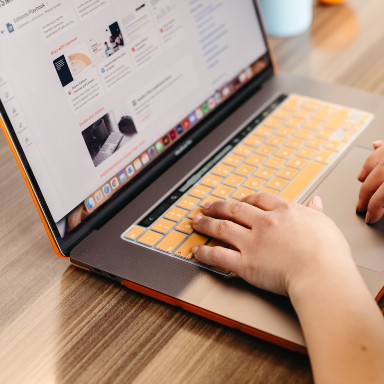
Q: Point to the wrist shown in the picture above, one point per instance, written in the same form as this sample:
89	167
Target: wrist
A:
320	275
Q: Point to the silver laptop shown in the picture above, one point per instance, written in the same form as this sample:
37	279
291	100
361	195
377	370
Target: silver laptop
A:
202	116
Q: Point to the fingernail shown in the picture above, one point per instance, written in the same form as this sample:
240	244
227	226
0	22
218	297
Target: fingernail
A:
360	175
197	218
207	204
377	143
368	218
195	249
317	202
358	206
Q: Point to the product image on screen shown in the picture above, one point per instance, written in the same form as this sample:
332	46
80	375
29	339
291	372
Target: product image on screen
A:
104	137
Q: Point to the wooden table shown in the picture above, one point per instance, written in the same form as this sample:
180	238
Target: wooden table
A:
62	325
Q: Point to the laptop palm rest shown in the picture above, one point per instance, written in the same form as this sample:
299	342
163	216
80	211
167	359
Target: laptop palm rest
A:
339	191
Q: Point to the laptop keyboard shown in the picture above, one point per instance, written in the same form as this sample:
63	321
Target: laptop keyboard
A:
282	151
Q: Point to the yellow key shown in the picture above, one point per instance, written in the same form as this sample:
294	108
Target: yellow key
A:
222	170
338	119
348	137
133	233
325	156
303	133
294	143
200	191
324	134
287	173
291	103
284	131
195	212
245	170
187	202
365	117
312	124
265	150
302	114
311	104
253	141
263	131
281	113
210	199
275	162
277	183
163	226
185	250
233	160
334	145
171	241
175	214
223	191
242	192
264	172
185	226
306	152
211	181
150	238
351	127
243	150
297	162
272	122
275	141
324	113
255	159
234	180
301	182
284	152
293	122
254	183
316	143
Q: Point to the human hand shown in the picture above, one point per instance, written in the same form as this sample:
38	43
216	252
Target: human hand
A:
275	243
371	196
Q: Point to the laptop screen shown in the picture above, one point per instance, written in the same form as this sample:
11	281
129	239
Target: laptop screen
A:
95	91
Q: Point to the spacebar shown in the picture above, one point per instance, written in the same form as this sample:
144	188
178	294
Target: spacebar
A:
302	181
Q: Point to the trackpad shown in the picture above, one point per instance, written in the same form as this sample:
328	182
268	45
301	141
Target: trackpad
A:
339	192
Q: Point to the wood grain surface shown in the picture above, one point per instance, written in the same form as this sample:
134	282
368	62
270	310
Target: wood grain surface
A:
62	325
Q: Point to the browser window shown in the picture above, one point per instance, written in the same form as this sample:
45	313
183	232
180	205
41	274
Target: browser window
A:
97	89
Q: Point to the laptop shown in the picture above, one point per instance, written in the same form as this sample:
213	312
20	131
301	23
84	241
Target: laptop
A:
212	120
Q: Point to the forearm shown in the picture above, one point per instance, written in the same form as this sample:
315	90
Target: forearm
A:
343	326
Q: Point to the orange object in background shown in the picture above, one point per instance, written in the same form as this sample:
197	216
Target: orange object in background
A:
330	2
341	34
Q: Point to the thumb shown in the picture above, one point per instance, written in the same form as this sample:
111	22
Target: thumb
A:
315	203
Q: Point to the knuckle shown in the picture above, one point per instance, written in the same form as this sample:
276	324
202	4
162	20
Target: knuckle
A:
202	252
287	206
258	198
236	207
216	255
222	227
270	221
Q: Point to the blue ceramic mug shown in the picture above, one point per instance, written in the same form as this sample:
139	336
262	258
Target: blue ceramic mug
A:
284	18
